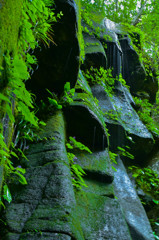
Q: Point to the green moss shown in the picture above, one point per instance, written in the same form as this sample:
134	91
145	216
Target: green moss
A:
10	14
93	46
79	34
76	225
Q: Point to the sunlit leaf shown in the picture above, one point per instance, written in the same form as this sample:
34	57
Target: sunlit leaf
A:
6	193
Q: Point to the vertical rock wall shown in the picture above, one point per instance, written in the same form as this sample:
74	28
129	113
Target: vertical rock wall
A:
49	207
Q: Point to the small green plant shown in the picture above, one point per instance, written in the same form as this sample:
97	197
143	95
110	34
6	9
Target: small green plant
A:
123	152
65	100
145	110
156	237
76	171
54	100
104	78
74	144
113	157
154	224
111	114
68	94
147	180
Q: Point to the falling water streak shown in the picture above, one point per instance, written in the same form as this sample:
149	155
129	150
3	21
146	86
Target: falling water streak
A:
94	135
103	142
114	61
68	58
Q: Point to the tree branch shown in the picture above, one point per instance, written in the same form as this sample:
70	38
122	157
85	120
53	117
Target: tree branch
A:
136	19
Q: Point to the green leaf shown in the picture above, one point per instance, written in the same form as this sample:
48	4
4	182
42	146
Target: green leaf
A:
4	98
22	179
59	107
22	170
6	193
156	202
69	146
42	123
23	155
79	145
67	87
114	169
28	115
9	112
20	68
1	203
2	152
14	154
156	237
49	92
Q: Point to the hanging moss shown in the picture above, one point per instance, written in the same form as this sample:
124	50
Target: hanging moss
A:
10	14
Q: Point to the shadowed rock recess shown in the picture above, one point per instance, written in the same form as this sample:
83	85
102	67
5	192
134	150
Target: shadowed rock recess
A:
49	207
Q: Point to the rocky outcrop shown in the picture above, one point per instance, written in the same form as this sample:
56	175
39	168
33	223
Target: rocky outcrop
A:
125	124
108	208
94	53
58	63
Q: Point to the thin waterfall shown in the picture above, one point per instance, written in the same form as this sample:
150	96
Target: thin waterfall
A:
94	136
103	142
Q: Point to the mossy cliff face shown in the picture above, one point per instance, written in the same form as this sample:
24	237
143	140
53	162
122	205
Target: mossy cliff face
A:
108	208
10	14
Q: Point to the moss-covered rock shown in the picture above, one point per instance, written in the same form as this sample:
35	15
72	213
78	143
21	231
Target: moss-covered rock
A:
47	203
10	14
94	53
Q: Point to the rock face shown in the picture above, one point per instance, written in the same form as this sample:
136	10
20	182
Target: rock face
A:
58	63
107	208
127	125
133	210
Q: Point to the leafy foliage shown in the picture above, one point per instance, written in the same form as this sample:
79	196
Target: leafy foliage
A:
55	102
36	20
124	152
104	78
68	94
145	110
113	157
74	144
76	171
147	180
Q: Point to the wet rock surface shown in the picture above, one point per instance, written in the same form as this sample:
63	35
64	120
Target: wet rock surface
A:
126	125
133	210
108	208
94	53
